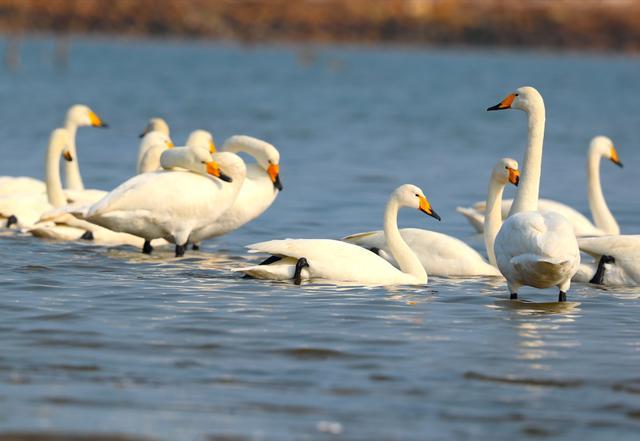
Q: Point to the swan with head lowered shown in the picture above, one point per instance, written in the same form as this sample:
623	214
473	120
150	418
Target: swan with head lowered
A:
77	116
193	190
258	191
337	261
534	248
617	260
600	147
443	255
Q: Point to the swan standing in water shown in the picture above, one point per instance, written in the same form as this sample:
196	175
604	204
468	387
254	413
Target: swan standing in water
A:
339	261
258	191
77	116
443	255
533	248
600	147
170	204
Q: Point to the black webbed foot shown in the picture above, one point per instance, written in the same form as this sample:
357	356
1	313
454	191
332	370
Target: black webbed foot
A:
147	248
514	296
180	249
11	220
195	247
562	296
88	235
297	275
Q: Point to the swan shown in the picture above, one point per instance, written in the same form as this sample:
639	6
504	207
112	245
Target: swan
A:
339	261
443	255
153	144
617	260
605	223
534	248
170	204
259	190
202	139
156	125
77	116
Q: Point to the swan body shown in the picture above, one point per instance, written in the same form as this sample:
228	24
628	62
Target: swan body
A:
604	222
170	204
623	266
77	116
443	255
152	146
534	248
339	261
259	190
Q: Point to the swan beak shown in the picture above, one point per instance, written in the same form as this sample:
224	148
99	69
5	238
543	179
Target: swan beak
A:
96	121
514	176
504	104
170	145
145	131
614	157
67	156
274	173
425	207
212	147
214	170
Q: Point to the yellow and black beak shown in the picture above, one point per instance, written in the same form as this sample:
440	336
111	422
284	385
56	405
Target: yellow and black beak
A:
67	156
514	176
212	147
274	173
614	157
170	144
504	104
214	170
425	207
96	121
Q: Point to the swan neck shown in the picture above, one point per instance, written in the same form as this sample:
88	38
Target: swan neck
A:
529	187
73	179
55	194
493	218
602	216
406	258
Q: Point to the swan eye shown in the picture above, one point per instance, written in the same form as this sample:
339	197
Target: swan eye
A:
417	195
506	167
517	94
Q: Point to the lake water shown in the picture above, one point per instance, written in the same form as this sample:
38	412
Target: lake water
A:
107	340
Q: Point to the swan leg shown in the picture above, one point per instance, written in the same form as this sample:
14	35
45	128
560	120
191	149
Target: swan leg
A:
147	248
11	220
87	235
513	296
598	277
195	247
297	275
562	296
180	249
513	290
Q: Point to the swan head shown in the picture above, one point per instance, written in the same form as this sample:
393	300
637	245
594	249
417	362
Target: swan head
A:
59	143
506	171
156	138
411	196
525	98
232	165
81	115
202	139
603	146
156	125
200	160
265	154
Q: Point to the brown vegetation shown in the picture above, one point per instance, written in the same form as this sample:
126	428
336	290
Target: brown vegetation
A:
600	24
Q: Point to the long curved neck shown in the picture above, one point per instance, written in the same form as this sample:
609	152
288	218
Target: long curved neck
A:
493	218
55	195
529	187
73	180
406	258
600	212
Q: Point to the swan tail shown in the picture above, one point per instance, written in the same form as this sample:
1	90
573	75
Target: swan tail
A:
474	217
544	272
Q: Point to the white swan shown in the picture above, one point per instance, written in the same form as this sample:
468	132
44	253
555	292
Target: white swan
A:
156	125
617	260
77	116
533	248
202	139
258	191
152	146
605	223
443	255
339	261
171	204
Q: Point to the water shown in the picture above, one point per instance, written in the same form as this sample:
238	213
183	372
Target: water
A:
107	340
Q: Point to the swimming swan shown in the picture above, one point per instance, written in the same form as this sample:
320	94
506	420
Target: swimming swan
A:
170	204
259	190
533	248
443	255
605	223
339	261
